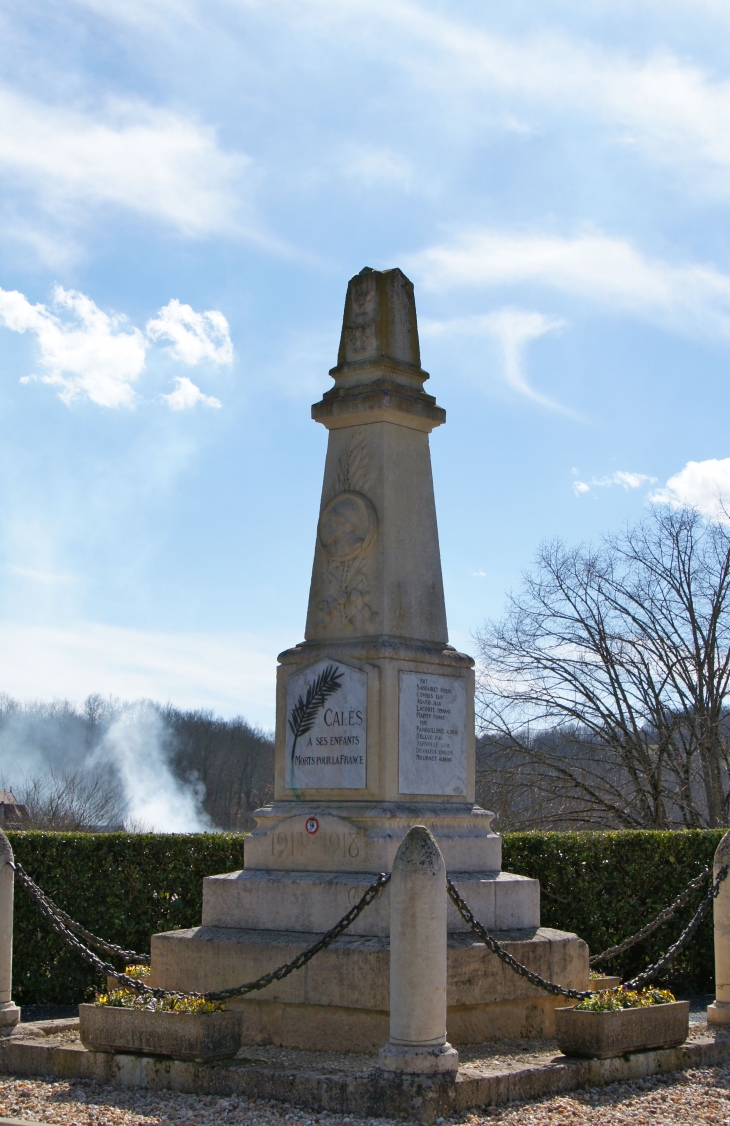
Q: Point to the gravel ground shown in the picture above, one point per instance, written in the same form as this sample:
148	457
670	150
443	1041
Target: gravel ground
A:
694	1098
697	1098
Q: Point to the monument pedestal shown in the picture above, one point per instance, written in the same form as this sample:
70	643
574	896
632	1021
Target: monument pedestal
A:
374	735
340	1000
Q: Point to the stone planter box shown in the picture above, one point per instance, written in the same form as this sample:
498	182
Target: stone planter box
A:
199	1037
602	1035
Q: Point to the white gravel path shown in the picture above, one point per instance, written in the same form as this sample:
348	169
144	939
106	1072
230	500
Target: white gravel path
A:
694	1098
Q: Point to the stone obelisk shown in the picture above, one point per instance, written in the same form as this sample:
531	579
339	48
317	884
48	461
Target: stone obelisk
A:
374	735
375	710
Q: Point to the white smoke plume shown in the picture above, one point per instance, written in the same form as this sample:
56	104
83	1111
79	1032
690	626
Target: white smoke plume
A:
49	748
135	746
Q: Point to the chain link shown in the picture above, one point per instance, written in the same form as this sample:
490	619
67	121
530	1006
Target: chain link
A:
93	940
306	955
689	930
57	919
663	916
559	990
496	947
65	926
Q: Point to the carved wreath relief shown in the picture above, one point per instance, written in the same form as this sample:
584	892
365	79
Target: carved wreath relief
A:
326	711
346	531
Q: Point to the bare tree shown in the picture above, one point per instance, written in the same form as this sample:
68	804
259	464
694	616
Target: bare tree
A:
73	801
604	686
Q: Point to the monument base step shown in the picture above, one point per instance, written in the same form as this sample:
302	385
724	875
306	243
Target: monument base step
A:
340	1000
358	836
315	901
358	1087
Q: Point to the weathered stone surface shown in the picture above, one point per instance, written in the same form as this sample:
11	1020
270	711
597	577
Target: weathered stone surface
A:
364	836
417	1040
719	1012
341	998
9	1011
311	901
369	1092
183	1036
603	1035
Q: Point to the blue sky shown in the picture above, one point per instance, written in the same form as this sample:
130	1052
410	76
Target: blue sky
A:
185	189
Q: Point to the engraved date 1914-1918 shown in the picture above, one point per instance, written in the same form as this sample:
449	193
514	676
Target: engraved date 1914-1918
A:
295	842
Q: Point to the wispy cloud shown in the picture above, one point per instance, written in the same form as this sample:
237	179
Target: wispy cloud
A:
187	395
625	480
704	485
88	353
670	111
194	336
513	329
150	161
610	272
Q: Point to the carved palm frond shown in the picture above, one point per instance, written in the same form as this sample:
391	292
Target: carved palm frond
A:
304	712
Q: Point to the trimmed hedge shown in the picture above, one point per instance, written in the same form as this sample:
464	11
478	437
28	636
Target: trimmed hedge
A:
120	886
606	886
603	886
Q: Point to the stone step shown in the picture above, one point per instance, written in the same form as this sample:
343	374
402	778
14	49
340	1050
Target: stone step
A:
340	1000
315	901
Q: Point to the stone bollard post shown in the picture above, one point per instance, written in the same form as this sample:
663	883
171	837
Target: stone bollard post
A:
9	1013
719	1011
418	960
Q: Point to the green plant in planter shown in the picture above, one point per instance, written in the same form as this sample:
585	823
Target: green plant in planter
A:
139	972
127	999
610	999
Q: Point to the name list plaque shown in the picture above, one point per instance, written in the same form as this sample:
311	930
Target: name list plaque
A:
432	734
326	728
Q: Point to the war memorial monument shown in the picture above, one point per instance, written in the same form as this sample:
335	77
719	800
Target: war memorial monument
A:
374	735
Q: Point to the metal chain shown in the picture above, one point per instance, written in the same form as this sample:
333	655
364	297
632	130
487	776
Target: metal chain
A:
662	917
93	940
65	926
52	913
306	955
684	937
550	986
496	947
44	906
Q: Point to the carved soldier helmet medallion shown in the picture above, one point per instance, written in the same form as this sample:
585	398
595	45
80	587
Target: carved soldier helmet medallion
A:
347	526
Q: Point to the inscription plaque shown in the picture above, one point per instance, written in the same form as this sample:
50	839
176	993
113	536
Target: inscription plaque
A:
326	728
432	734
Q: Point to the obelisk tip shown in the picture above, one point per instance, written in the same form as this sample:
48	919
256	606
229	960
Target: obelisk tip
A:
380	319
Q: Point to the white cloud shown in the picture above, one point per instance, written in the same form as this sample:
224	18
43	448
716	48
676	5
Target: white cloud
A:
704	485
671	111
89	354
668	109
194	336
187	395
620	477
147	160
232	672
691	298
513	329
